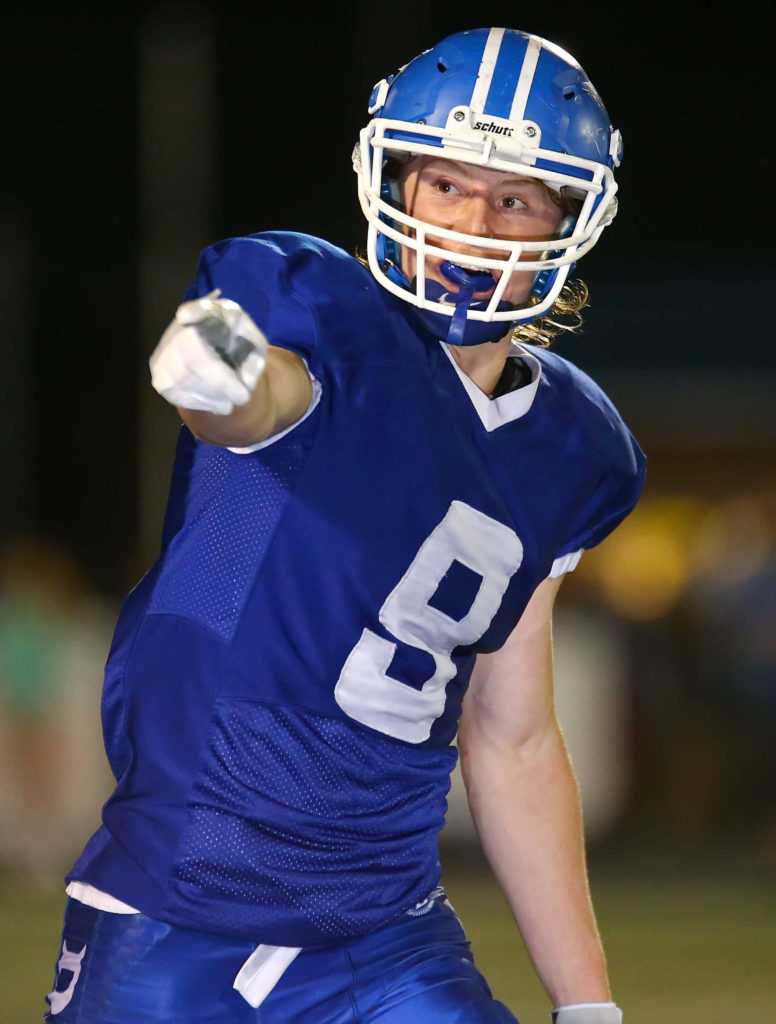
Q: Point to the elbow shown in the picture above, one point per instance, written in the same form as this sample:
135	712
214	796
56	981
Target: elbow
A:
230	431
478	743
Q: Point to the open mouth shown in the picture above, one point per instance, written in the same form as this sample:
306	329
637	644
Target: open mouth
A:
448	274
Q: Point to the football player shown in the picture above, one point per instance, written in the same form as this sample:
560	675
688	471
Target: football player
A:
376	494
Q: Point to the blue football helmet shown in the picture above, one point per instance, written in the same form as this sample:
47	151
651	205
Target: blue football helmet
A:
503	100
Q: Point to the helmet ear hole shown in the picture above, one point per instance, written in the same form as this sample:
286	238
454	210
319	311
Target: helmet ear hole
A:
441	66
391	191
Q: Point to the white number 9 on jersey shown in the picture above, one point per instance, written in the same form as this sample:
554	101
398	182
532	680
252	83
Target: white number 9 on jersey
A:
364	690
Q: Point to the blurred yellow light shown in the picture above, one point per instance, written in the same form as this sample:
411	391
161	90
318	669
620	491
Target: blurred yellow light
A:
644	567
733	541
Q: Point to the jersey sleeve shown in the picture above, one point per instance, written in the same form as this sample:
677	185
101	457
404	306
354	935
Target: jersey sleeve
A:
604	465
615	495
259	274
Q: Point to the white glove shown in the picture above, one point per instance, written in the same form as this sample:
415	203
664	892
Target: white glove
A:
588	1013
210	357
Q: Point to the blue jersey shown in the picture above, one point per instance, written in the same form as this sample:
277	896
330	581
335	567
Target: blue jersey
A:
284	686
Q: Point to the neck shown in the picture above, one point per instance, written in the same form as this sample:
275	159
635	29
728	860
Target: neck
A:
483	364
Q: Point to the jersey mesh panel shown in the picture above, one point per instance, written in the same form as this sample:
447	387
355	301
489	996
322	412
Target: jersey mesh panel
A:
305	829
234	505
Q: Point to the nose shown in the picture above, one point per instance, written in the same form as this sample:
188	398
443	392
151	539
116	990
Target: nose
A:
474	216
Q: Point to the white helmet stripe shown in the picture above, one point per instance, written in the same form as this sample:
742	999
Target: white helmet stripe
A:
487	67
534	48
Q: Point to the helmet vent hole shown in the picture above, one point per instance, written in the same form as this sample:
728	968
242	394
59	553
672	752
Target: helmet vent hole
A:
569	95
441	66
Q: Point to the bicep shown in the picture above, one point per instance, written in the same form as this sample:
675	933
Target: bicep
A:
510	696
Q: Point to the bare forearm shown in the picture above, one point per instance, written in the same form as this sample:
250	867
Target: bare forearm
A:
525	804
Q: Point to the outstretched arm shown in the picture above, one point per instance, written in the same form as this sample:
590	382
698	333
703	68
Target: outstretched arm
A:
230	387
524	800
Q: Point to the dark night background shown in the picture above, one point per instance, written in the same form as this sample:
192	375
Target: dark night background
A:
132	137
680	328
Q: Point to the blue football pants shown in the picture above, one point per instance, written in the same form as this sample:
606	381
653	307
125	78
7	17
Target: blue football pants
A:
132	969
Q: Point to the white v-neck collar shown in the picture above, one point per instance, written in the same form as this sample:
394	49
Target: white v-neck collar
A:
495	412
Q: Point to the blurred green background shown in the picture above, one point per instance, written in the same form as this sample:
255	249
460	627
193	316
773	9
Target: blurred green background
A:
682	947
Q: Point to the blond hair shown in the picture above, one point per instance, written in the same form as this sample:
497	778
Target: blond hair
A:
564	316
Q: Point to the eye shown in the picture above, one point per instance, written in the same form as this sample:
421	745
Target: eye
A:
445	187
513	203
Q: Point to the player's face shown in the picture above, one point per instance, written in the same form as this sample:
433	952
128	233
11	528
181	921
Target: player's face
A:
477	201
